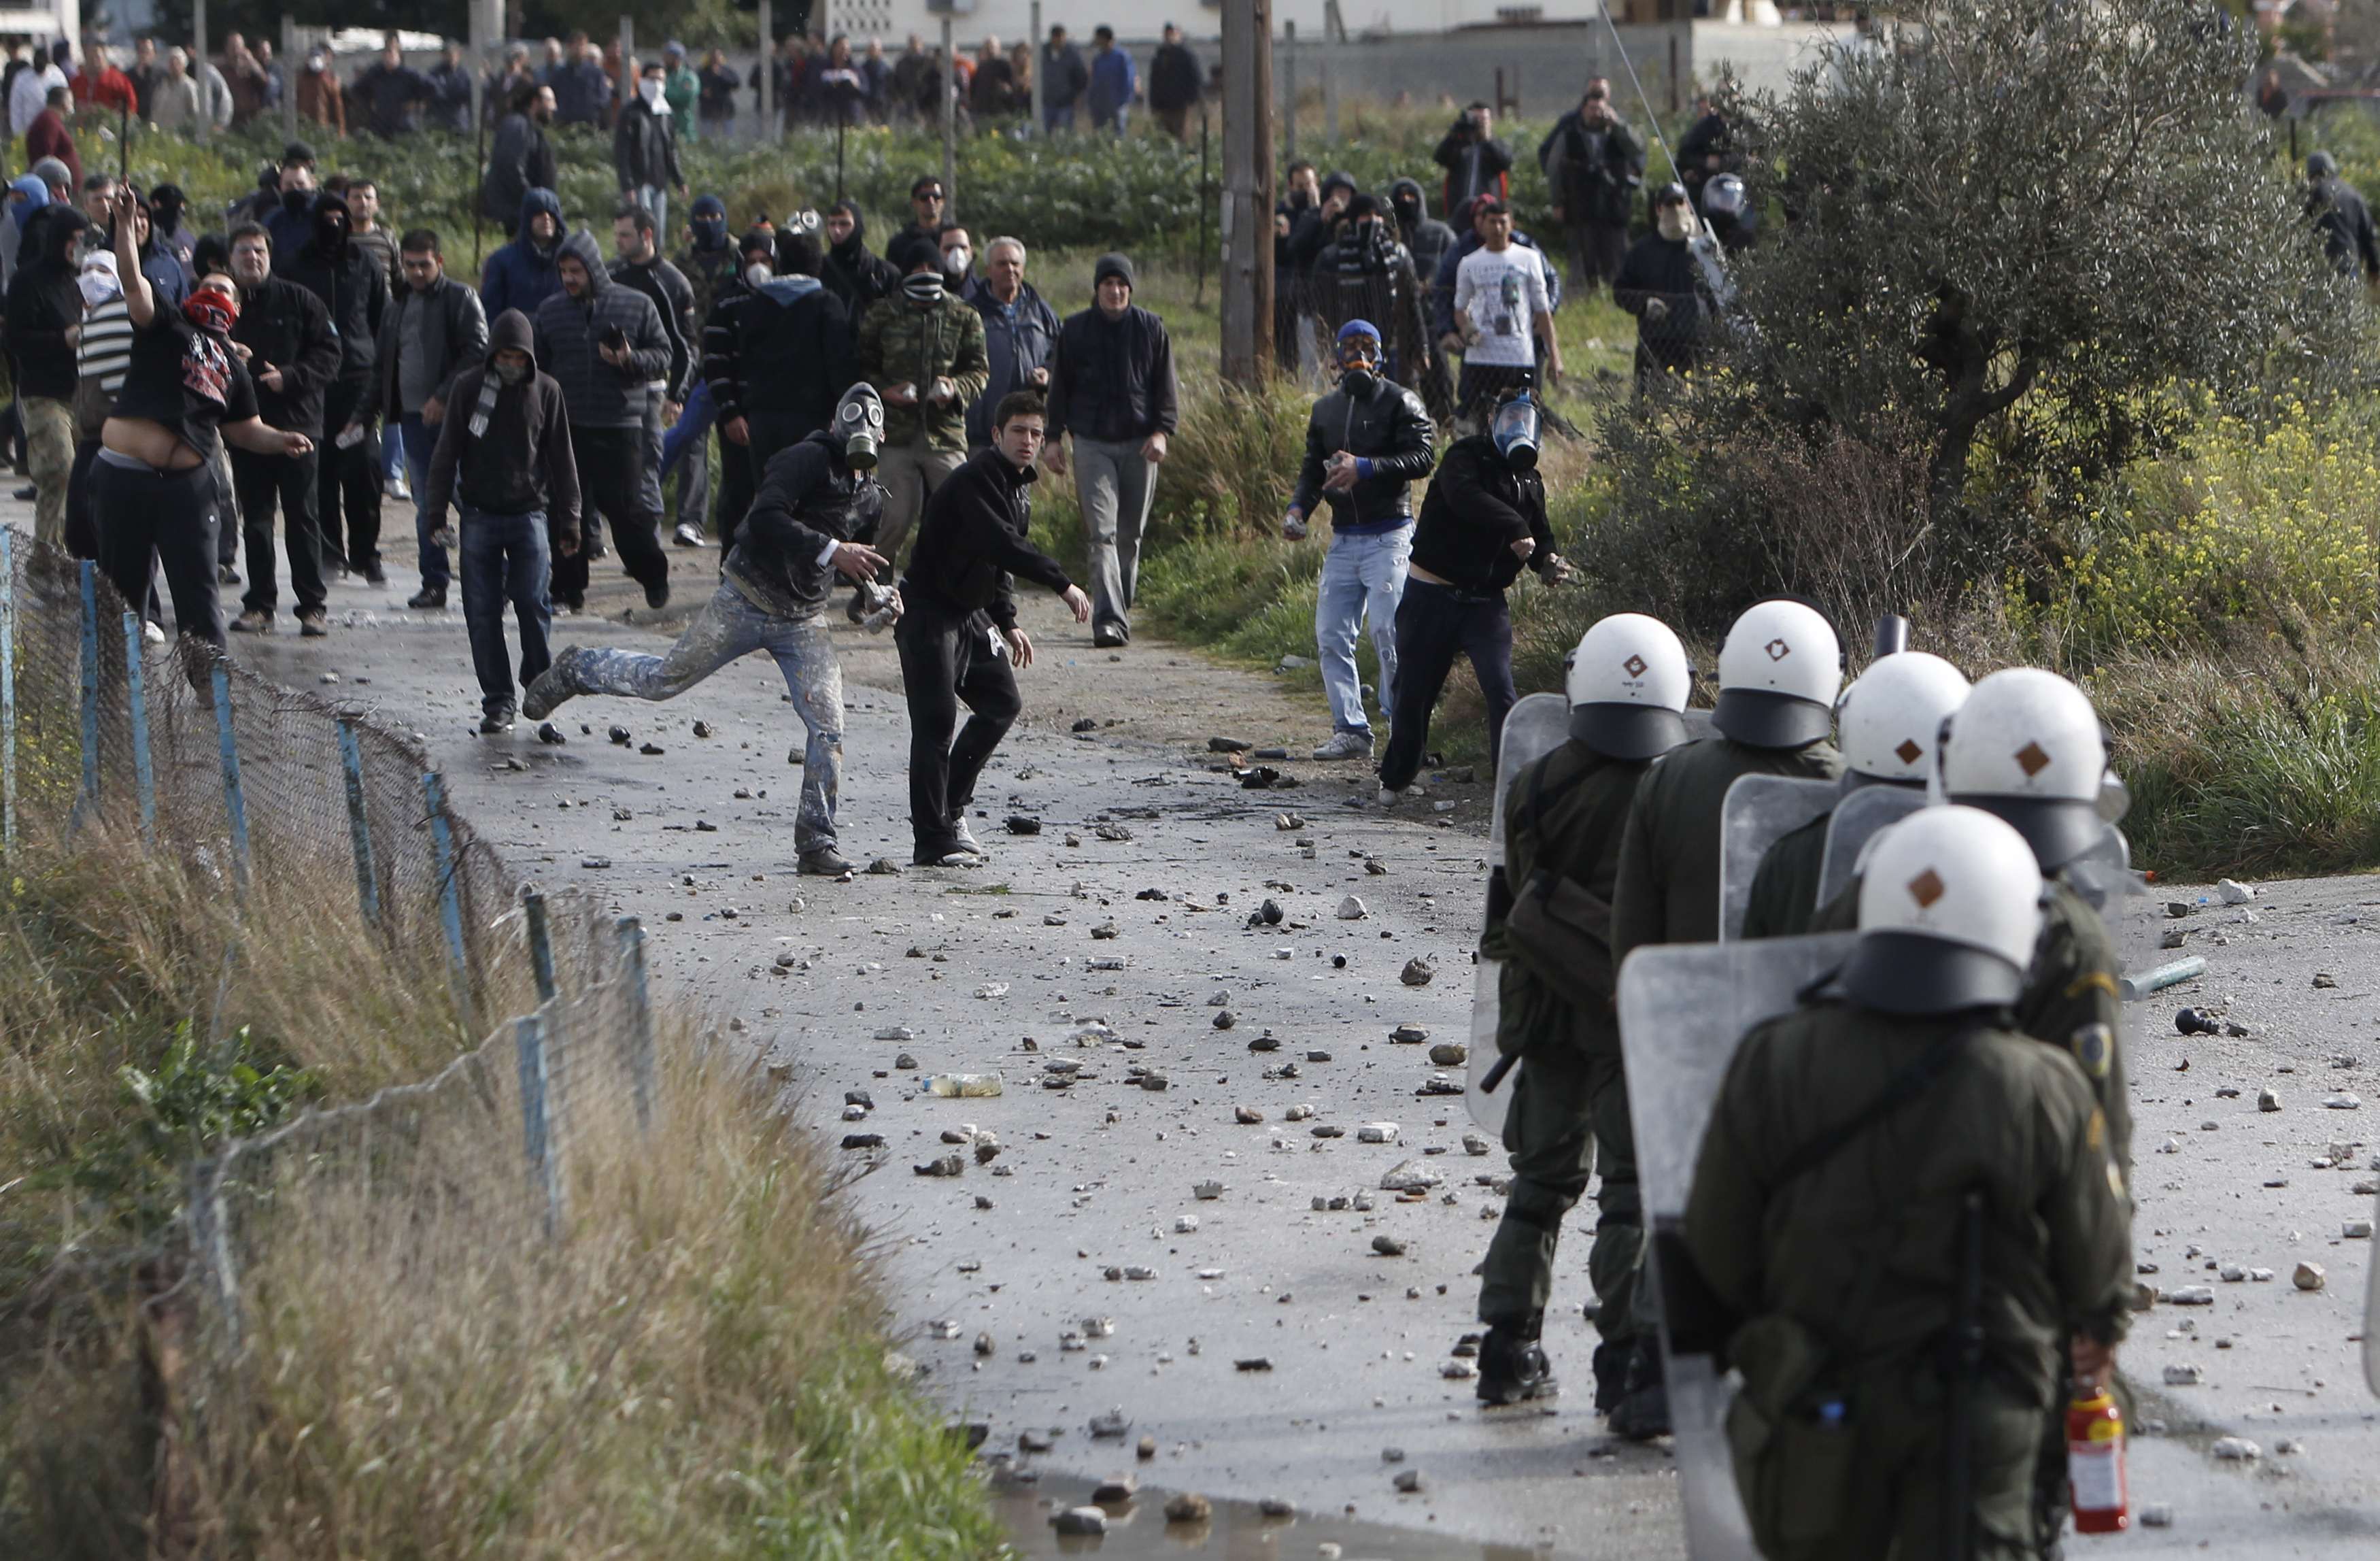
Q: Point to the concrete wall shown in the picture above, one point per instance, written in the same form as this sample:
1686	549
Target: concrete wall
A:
1545	67
1012	20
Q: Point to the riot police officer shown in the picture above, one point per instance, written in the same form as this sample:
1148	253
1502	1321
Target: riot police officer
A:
1780	669
1890	718
1911	1216
1565	815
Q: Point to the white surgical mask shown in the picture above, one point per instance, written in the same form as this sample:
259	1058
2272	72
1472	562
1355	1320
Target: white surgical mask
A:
955	261
650	88
756	274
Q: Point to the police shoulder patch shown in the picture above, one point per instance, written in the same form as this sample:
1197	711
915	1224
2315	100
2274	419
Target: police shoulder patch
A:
2093	980
2093	1046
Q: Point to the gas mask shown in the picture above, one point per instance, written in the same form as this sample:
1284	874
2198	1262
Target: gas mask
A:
859	426
1359	363
1514	430
1675	222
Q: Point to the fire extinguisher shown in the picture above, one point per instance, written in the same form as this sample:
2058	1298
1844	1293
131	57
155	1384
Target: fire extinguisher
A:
2095	1465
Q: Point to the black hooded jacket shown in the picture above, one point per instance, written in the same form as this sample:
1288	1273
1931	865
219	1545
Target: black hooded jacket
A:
783	349
285	326
42	302
855	276
1477	508
353	287
520	460
809	498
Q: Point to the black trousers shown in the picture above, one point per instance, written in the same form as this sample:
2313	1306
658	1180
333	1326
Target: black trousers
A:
1434	623
292	480
172	517
1596	250
735	488
947	658
611	464
349	485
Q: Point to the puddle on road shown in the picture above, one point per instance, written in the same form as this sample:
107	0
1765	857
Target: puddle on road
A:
1237	1532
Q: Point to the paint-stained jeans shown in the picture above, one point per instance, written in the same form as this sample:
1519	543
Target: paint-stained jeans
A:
1363	576
728	627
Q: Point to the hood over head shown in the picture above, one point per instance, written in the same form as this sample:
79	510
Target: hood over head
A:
329	236
1406	196
858	227
511	329
581	246
708	223
535	199
36	194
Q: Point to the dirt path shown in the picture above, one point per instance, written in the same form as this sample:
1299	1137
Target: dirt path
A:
1005	969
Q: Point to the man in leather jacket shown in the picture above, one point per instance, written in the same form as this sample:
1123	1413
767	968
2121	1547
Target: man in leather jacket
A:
1364	444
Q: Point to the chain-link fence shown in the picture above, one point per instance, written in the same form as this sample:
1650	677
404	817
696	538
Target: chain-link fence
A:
294	811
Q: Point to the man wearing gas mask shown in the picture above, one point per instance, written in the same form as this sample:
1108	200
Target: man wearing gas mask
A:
1661	284
817	500
1365	443
1484	518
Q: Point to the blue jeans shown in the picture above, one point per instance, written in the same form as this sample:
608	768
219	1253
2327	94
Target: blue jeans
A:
730	627
686	447
505	559
420	440
1363	577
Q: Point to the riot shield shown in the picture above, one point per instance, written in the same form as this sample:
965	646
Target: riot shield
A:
1859	818
1759	810
2103	874
1683	1009
2371	1314
1537	726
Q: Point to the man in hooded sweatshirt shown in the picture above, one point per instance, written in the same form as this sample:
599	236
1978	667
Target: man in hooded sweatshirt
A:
504	456
1426	239
522	274
353	285
852	271
777	356
44	315
817	500
604	344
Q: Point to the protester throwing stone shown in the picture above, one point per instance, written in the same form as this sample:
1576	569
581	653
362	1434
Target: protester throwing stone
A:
816	498
958	633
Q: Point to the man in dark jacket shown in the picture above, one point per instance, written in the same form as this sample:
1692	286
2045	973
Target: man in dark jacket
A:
1175	83
708	264
505	459
1365	275
434	331
817	505
1484	518
1019	333
1112	386
2342	218
353	288
1594	165
289	220
1476	161
1705	150
1365	442
1661	284
387	92
44	320
851	272
450	91
776	356
521	158
605	345
958	631
639	264
1426	239
1064	79
582	88
644	145
522	274
292	355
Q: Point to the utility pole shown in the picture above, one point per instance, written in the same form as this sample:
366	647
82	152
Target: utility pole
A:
1038	85
767	75
1247	191
949	124
289	60
204	127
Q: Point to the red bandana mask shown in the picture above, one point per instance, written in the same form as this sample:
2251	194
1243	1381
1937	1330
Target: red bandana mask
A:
211	311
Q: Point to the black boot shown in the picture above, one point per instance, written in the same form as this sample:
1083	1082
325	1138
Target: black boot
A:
1611	1360
1512	1368
1643	1411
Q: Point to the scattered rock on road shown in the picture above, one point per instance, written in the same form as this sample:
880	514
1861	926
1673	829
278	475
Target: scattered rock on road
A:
2308	1276
1418	971
1189	1508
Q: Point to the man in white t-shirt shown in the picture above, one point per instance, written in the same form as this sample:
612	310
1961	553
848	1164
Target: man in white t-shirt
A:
30	93
1499	298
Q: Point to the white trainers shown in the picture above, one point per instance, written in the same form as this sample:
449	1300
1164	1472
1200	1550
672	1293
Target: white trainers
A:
1346	745
1389	795
967	841
690	534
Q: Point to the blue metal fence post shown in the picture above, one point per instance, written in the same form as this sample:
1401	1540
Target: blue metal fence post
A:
234	802
351	761
540	943
640	1018
528	1042
450	897
88	802
7	690
144	774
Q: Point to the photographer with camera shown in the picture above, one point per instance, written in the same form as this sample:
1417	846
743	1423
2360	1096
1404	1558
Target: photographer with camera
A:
1475	161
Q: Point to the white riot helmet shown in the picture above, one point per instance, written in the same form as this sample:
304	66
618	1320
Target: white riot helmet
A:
1891	716
1950	909
1628	683
2026	746
1780	669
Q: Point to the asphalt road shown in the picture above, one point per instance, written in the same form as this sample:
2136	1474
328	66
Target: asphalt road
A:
1273	1350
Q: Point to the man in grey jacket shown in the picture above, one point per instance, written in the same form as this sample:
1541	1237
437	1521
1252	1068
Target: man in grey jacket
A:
433	333
604	344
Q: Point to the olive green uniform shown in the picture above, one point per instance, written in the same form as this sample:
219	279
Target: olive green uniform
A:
1785	890
1844	1278
1668	890
1568	1113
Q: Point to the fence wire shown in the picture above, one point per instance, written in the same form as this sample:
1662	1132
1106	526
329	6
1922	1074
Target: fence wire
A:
287	804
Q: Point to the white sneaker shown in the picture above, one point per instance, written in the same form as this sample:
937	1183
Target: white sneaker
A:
690	534
1346	745
1389	795
967	841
